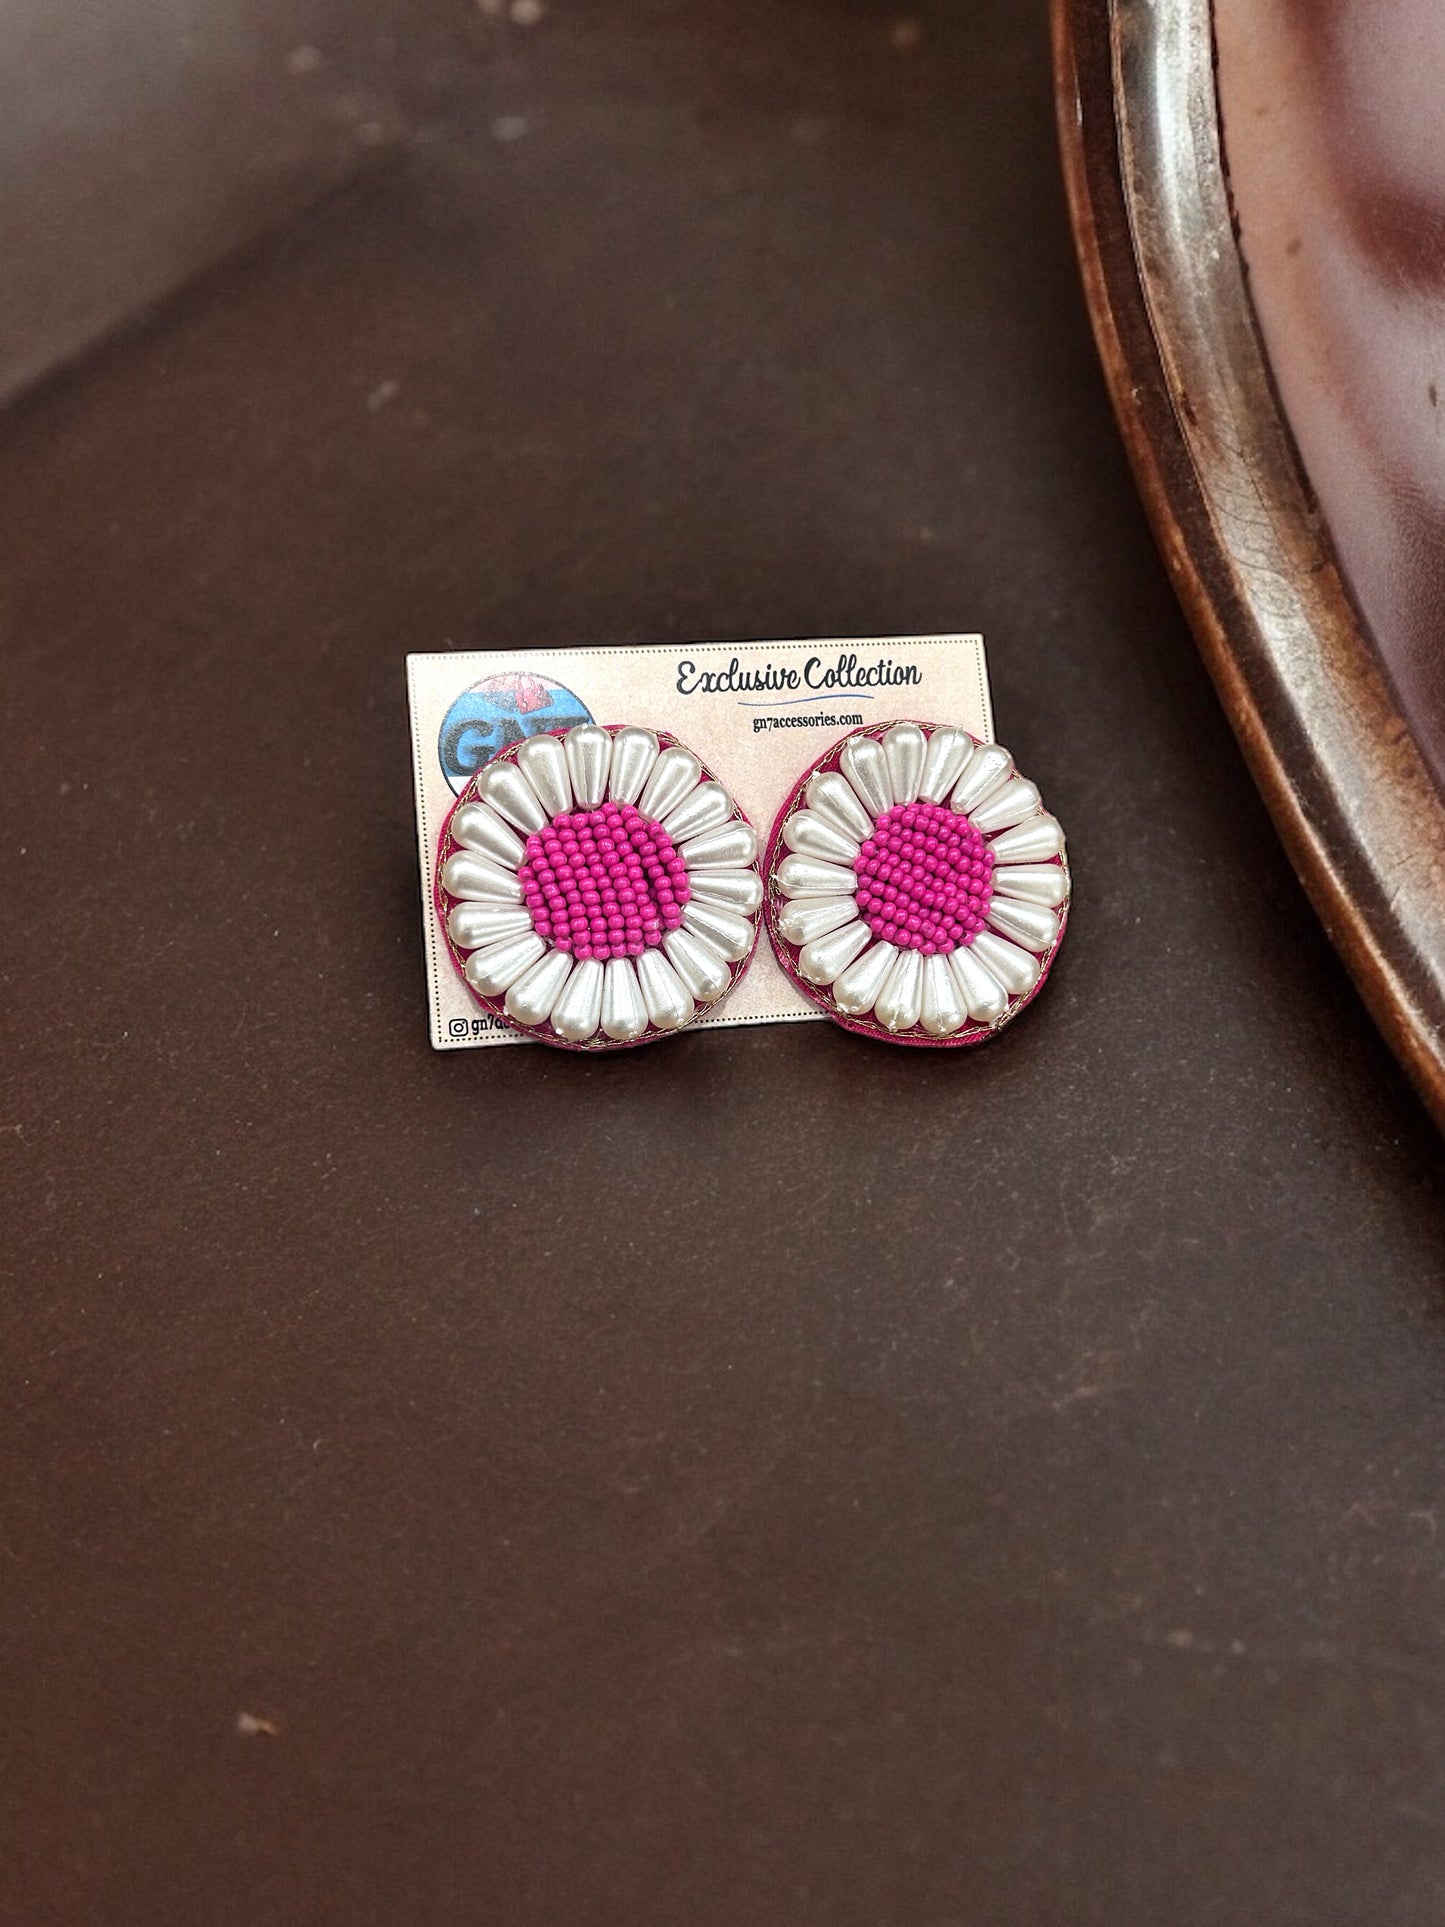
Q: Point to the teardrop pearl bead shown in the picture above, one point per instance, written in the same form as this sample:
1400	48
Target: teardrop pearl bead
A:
855	991
589	757
624	1015
473	925
866	768
674	775
669	1002
827	957
831	795
1045	883
905	747
739	890
900	1001
1033	841
507	790
634	751
984	997
492	970
813	835
724	929
477	828
1017	970
1027	923
706	808
1005	807
985	771
806	918
702	968
578	1011
543	761
942	1011
948	750
465	874
805	876
724	849
530	999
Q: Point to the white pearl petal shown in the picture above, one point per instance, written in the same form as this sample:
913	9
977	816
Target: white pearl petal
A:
724	849
578	1011
624	1015
477	828
674	774
465	874
1027	923
813	835
809	917
805	876
740	890
984	772
669	1002
1017	970
866	768
942	1011
984	997
530	999
827	957
589	756
700	965
1033	841
856	989
1045	883
473	925
706	808
831	795
948	750
500	964
724	929
634	751
543	761
900	1002
507	790
905	747
1005	807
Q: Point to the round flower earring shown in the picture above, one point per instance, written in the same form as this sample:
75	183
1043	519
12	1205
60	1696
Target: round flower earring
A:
598	889
916	889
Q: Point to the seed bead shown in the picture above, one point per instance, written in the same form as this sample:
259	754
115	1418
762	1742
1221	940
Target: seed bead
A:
925	879
603	883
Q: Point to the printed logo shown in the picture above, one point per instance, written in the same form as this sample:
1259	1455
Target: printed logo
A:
497	711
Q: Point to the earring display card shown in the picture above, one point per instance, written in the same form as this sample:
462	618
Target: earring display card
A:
757	713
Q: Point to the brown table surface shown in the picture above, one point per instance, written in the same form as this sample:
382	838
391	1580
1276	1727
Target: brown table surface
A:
770	1477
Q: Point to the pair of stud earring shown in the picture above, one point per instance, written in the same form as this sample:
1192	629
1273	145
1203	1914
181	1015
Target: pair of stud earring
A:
601	888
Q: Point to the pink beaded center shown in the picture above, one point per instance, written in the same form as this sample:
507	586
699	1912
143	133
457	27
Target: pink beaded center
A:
925	878
603	883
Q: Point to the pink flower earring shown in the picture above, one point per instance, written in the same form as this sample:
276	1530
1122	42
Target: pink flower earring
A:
916	890
598	889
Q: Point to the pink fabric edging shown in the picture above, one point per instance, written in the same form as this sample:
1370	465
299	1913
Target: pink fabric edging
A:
443	903
821	994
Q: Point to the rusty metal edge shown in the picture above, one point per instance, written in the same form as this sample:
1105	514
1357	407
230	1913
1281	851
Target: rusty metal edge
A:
1349	792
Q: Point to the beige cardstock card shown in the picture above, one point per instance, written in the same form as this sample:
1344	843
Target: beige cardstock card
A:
757	713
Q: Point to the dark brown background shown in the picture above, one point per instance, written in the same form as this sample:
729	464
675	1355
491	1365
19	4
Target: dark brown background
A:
771	1477
142	139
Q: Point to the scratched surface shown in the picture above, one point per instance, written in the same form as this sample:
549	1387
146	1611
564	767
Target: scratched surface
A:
766	1477
1337	172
